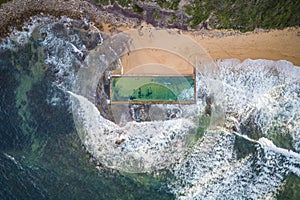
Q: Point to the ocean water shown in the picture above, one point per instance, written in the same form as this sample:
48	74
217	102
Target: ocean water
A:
241	140
41	154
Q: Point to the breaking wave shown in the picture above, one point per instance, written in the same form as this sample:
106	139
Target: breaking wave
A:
64	50
259	100
268	93
147	146
259	94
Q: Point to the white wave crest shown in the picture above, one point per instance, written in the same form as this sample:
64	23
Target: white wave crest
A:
21	37
136	147
267	91
62	47
212	171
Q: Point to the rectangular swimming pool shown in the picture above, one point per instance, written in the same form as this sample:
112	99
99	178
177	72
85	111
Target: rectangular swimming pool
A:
152	89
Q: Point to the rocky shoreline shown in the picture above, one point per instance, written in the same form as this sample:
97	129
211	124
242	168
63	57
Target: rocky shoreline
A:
114	18
14	14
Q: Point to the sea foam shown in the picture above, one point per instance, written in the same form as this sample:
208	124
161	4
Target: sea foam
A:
266	92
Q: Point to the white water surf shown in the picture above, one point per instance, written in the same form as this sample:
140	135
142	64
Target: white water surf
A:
267	92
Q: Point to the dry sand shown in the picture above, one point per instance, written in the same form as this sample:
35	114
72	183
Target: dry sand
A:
271	45
155	62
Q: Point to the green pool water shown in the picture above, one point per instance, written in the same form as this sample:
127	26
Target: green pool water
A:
159	89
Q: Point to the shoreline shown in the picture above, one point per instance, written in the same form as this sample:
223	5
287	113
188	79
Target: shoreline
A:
271	45
259	44
220	44
14	14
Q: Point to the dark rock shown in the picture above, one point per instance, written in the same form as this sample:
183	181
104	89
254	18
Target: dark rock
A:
118	142
44	35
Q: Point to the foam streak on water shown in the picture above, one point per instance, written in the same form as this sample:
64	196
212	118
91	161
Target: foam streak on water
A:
267	92
63	48
212	171
260	94
18	37
147	146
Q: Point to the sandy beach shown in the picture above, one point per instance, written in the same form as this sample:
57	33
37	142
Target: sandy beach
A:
155	62
219	44
271	45
216	44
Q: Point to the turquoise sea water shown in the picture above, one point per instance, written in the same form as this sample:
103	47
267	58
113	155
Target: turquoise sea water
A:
230	153
41	155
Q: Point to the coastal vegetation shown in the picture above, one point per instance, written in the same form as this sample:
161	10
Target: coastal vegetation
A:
3	1
243	15
42	137
247	15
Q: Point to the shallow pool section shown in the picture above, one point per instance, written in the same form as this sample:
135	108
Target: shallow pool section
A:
152	89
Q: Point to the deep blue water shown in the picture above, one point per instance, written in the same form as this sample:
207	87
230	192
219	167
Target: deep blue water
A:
41	156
